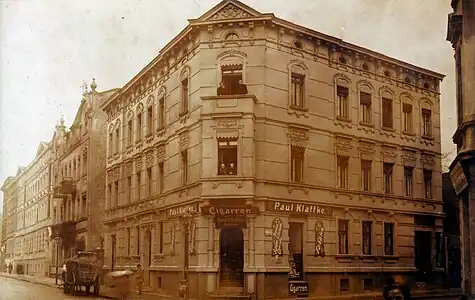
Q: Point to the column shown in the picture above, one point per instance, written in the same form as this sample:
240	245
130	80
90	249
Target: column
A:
251	242
211	277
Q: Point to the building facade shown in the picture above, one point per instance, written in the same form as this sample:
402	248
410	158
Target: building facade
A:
256	156
79	177
10	199
460	32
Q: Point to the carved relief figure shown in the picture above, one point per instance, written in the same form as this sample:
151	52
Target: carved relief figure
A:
172	239
192	230
277	237
319	239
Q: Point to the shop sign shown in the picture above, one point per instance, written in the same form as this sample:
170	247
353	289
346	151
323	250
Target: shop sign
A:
298	288
457	176
230	222
298	208
242	210
182	210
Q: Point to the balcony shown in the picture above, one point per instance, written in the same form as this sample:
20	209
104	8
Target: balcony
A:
229	104
64	188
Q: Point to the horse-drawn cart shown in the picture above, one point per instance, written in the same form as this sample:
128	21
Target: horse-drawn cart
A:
83	270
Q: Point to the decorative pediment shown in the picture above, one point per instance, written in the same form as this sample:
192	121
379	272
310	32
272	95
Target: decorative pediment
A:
343	145
388	154
184	140
161	153
409	158
229	9
428	161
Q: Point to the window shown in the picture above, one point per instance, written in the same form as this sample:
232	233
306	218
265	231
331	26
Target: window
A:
368	284
129	189
117	140
138	240
297	89
387	113
427	122
149	182
116	193
407	117
160	177
231	80
129	133
344	285
343	102
427	183
128	241
149	120
109	196
296	163
366	175
184	166
365	103
161	111
139	184
160	238
367	237
388	178
184	95
388	239
295	250
343	236
408	180
84	205
342	171
227	157
111	143
139	127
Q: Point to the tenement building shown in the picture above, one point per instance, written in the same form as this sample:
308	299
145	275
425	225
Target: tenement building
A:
460	32
79	177
10	198
29	199
256	156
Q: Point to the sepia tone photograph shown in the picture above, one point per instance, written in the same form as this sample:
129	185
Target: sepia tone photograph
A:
237	149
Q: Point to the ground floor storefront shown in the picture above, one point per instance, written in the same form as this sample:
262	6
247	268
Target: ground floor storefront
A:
272	249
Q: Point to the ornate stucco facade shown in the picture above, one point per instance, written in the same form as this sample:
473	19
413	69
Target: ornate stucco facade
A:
312	162
10	199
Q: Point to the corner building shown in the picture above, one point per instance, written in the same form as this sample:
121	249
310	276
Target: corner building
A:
256	156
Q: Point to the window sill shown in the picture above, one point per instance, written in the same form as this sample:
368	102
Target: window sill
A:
343	119
299	108
368	258
426	137
408	133
390	258
183	113
344	257
362	123
148	135
388	129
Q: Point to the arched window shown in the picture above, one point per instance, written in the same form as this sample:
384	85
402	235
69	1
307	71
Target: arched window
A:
231	76
407	115
387	109
426	118
342	97
297	85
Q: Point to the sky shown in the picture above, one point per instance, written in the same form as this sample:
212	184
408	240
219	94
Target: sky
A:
48	48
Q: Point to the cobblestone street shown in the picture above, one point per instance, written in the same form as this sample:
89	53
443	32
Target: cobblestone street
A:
14	289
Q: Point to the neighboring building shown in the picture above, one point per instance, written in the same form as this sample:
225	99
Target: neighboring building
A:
461	32
10	190
79	177
256	156
31	243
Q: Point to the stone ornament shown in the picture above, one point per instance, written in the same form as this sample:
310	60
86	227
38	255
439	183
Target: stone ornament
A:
231	12
319	239
277	237
172	239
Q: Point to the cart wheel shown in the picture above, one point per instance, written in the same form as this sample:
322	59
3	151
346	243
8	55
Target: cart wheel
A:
97	286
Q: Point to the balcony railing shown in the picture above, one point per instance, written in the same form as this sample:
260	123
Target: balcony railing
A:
64	188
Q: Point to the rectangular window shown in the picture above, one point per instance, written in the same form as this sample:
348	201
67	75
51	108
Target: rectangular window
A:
184	95
365	103
297	155
296	250
343	101
368	284
427	122
161	177
129	133
160	239
111	143
231	80
388	239
129	189
407	116
109	194
184	167
388	178
297	89
139	185
84	206
149	120
116	193
138	240
366	175
342	170
427	184
408	180
117	140
367	237
149	182
161	110
343	236
344	285
139	127
387	105
227	157
128	242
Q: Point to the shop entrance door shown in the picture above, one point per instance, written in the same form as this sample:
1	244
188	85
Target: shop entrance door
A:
231	257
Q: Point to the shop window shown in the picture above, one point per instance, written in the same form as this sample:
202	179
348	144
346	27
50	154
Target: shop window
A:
295	251
342	171
407	117
366	175
297	155
388	239
232	80
297	90
367	237
227	157
184	167
388	178
408	180
427	122
344	285
387	107
365	107
343	236
343	102
427	184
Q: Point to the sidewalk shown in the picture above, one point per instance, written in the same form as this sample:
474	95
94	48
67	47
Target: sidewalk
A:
105	292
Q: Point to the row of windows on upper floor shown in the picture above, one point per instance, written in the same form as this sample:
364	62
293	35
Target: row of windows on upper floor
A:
34	242
73	168
40	184
232	84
